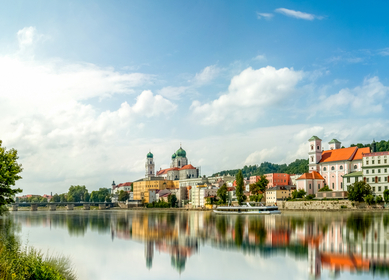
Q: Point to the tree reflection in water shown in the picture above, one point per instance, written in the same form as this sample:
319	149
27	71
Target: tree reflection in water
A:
331	241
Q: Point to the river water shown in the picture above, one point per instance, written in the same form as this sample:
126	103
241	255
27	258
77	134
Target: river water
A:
119	244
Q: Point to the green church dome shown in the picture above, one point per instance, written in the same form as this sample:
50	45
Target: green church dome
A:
174	156
181	153
149	155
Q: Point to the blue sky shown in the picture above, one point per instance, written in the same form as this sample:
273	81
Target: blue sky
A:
87	88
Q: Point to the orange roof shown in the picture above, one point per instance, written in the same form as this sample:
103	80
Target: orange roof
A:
360	153
338	154
164	171
188	166
352	262
312	175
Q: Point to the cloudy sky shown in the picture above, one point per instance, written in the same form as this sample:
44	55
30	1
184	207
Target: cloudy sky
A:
87	88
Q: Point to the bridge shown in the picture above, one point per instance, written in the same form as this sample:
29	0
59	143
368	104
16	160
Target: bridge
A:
68	205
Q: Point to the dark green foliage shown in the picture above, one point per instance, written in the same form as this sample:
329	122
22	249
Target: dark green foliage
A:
222	193
102	195
77	193
259	186
381	146
379	199
9	174
298	194
240	197
123	195
159	204
369	199
386	196
299	166
310	196
256	197
172	200
325	189
55	198
358	191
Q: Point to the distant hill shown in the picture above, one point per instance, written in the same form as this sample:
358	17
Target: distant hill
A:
382	146
299	166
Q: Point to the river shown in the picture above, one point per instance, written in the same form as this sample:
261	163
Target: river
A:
120	244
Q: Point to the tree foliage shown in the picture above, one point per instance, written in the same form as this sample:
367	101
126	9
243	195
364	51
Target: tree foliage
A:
9	174
381	146
172	200
386	196
240	197
299	166
298	194
325	189
369	199
222	193
358	191
102	195
379	199
123	195
77	193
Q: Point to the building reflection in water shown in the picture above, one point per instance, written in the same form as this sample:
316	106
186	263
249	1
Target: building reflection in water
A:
355	242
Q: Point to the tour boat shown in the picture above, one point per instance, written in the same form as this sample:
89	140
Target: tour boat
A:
247	209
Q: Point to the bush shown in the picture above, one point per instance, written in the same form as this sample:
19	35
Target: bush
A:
310	196
379	199
369	199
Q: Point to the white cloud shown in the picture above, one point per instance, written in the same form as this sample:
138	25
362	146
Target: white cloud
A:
297	14
172	92
366	99
261	156
264	15
260	57
250	93
27	36
206	75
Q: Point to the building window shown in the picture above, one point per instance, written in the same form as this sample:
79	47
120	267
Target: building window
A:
385	170
386	179
379	179
367	180
367	171
385	160
332	168
318	147
355	166
379	170
386	187
348	179
312	159
379	161
341	167
373	189
311	147
372	171
332	185
379	189
372	162
318	186
324	168
309	186
367	162
341	185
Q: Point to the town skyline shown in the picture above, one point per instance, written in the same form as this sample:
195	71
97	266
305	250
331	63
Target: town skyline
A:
87	89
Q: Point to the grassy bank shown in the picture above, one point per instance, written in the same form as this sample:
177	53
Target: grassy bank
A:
23	262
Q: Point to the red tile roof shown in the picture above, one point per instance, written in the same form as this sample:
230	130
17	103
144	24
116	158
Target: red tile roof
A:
312	175
165	171
360	153
128	184
188	166
338	154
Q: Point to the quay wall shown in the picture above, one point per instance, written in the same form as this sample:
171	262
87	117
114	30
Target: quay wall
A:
328	205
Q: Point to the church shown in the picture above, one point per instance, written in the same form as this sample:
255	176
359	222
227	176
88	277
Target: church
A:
180	169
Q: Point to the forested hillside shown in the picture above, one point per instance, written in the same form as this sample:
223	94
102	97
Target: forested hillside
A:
299	166
382	146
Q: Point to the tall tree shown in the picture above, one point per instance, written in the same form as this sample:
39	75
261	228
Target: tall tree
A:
358	191
77	193
123	195
9	174
239	187
222	193
262	184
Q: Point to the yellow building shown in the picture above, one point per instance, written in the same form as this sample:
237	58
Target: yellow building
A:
278	193
141	187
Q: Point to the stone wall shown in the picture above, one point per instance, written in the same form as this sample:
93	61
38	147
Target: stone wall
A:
326	205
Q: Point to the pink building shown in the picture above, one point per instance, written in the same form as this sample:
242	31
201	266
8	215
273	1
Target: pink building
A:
331	164
277	179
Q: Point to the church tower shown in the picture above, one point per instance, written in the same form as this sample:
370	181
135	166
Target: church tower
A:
150	166
314	153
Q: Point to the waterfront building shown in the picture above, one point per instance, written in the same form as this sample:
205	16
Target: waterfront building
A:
311	182
375	171
278	193
351	178
277	179
332	164
141	187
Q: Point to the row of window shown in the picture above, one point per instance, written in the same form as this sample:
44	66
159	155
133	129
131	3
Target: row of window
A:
378	171
378	161
379	188
340	167
377	179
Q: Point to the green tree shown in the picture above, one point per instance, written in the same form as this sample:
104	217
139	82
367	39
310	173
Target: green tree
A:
262	184
239	187
325	189
358	191
123	195
379	199
172	200
62	197
9	174
55	198
222	193
42	199
369	199
386	196
77	193
298	194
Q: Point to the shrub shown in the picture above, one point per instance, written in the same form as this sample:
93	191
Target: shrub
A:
369	199
379	199
310	196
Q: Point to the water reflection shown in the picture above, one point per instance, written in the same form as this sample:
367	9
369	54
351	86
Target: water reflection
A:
336	242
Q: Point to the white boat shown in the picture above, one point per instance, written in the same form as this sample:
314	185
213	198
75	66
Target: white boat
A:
247	210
